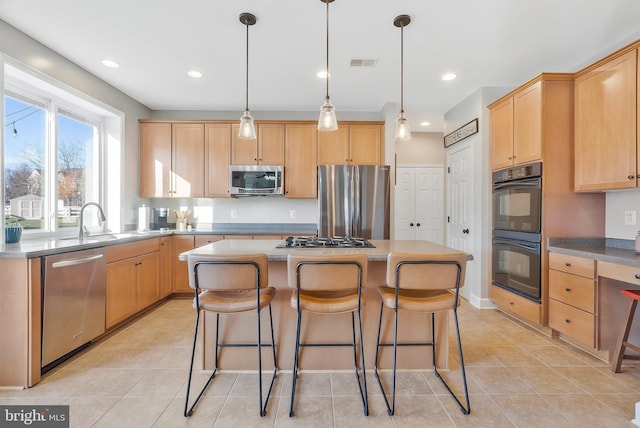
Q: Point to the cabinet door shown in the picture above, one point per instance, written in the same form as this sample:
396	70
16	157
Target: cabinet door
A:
181	244
155	160
165	266
333	147
121	291
201	240
605	126
429	209
243	152
365	145
300	165
188	160
147	280
218	155
271	144
501	134
527	124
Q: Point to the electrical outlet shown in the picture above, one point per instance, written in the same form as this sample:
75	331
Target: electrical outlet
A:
292	214
233	214
629	218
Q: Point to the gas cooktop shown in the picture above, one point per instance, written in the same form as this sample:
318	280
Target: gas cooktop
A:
332	242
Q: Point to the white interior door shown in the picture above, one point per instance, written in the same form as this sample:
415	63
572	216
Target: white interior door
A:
460	199
405	203
429	213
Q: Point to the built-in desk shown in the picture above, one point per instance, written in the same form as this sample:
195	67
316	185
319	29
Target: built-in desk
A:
604	268
242	327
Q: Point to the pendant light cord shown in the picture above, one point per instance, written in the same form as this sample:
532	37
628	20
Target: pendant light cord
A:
246	108
402	69
327	70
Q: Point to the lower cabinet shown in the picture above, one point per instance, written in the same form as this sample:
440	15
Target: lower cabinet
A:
166	265
180	283
133	279
516	305
572	290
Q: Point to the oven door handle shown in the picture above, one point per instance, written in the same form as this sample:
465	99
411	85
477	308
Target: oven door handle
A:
517	245
532	183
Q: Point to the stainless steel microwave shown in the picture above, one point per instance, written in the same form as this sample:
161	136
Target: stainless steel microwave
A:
255	180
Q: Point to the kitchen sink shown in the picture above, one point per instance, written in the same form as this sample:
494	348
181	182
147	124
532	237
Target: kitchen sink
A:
101	237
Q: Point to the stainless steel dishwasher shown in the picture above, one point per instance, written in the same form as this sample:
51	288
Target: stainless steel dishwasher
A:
73	309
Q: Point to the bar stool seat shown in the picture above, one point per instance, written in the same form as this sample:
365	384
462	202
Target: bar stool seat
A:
418	300
232	301
622	343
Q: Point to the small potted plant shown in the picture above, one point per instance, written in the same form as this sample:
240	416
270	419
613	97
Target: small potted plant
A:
12	230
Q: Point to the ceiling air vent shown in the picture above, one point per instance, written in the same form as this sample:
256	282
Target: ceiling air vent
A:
361	62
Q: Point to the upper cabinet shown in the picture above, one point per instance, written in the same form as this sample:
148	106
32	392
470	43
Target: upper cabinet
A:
171	161
267	149
606	116
360	144
522	122
217	155
300	164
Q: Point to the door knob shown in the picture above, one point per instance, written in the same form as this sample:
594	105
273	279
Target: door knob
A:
418	224
465	231
411	224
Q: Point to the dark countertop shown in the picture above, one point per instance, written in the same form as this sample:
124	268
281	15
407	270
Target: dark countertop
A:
620	251
29	248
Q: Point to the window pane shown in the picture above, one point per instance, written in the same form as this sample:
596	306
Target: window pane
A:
78	169
25	165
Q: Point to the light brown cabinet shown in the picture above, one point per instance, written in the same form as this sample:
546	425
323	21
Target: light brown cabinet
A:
133	279
516	127
166	265
171	159
516	305
267	149
181	243
572	297
300	163
217	154
358	144
606	112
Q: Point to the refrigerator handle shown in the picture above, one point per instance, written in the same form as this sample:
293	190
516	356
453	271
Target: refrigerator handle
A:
357	200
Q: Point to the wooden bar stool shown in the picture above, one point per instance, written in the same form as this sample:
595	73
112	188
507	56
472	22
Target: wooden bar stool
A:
427	283
329	284
231	284
621	344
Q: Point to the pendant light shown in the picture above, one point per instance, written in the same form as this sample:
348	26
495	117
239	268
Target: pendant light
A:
403	131
327	120
247	130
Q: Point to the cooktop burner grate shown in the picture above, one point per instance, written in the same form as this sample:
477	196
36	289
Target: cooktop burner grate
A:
319	242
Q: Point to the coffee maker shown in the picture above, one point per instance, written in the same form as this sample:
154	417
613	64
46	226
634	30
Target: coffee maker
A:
152	218
161	217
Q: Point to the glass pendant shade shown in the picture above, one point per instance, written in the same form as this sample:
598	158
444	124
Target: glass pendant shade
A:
327	120
403	131
247	130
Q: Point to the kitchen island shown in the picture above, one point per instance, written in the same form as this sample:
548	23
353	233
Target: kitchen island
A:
242	327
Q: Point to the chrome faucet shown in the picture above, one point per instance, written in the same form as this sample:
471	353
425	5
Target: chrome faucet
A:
83	229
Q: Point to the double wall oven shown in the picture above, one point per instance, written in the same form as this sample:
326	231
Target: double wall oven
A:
517	214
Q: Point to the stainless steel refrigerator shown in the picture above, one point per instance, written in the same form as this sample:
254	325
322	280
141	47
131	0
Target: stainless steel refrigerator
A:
353	200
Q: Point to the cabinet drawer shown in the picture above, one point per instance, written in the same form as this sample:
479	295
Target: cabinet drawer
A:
201	240
622	273
573	322
572	290
132	249
515	304
572	264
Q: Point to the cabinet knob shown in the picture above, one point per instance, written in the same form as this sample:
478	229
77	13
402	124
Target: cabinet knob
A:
637	276
631	177
511	303
567	264
411	224
466	231
510	157
418	224
567	289
568	321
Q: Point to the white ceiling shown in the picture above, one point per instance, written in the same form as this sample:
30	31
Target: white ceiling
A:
486	43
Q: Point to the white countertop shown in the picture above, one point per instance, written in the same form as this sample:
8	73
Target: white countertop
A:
383	248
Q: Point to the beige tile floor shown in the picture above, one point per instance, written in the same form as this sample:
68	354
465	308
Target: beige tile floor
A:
517	378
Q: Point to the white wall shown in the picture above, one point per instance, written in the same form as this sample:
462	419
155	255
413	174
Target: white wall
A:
617	204
424	148
478	276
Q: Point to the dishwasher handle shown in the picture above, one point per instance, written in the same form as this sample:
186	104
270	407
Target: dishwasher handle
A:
73	262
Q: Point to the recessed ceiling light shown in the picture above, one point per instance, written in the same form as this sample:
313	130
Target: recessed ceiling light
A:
110	63
449	76
425	123
195	74
322	74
